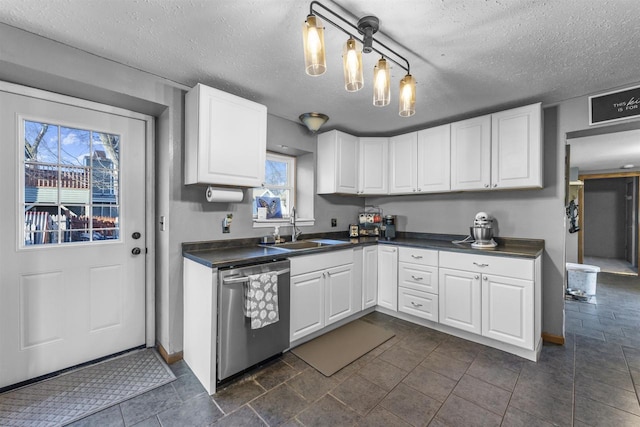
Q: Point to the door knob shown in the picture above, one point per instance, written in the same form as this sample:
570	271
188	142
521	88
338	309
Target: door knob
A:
136	251
136	235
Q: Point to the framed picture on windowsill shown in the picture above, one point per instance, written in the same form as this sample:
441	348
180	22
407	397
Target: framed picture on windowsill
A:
271	204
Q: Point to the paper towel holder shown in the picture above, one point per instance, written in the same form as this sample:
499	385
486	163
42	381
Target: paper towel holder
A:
224	195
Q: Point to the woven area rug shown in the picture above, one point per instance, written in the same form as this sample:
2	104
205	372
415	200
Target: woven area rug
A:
336	349
76	394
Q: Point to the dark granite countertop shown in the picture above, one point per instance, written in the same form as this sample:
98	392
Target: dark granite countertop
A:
227	253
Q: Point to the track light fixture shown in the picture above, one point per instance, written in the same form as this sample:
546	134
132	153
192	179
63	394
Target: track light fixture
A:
315	62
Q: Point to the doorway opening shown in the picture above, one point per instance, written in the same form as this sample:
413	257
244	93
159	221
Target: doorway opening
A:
608	208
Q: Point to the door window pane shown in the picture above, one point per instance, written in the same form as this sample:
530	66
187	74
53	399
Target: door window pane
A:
71	183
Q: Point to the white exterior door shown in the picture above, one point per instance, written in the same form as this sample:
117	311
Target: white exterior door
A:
73	284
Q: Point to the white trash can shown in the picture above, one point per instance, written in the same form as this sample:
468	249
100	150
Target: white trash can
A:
582	277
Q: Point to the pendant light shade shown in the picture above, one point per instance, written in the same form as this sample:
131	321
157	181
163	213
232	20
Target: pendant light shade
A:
352	63
407	96
313	121
381	83
313	38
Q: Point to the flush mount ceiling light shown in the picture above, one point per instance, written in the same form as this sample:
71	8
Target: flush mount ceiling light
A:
313	121
315	61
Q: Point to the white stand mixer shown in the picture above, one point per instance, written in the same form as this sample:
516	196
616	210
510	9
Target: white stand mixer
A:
482	231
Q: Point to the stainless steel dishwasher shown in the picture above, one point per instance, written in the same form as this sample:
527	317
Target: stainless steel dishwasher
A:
239	346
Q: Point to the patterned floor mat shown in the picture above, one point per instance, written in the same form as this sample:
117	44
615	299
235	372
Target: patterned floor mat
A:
68	397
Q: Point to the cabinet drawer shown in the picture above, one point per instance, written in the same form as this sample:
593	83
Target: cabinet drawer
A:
503	266
418	256
418	303
419	277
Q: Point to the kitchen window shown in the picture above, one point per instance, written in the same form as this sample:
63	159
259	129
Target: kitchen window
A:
277	194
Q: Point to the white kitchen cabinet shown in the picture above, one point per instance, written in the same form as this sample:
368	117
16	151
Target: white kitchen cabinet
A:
498	151
369	276
419	162
459	299
307	304
373	161
339	296
225	139
491	295
471	154
516	148
388	277
403	165
323	291
337	163
507	310
434	159
418	282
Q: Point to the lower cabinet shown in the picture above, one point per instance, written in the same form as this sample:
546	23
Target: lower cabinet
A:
492	296
460	302
323	291
369	276
418	282
507	310
418	303
388	277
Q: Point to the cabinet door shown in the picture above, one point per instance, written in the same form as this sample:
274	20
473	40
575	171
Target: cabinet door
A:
459	299
516	148
388	277
373	166
434	159
508	310
337	163
307	304
339	298
403	163
471	154
370	276
226	139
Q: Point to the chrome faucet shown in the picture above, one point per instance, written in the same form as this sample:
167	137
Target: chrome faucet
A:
295	233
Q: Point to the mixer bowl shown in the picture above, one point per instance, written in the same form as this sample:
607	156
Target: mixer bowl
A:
482	234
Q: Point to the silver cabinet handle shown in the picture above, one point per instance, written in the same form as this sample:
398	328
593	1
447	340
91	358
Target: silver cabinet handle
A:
416	278
480	265
240	279
416	256
495	185
415	304
476	277
485	278
486	186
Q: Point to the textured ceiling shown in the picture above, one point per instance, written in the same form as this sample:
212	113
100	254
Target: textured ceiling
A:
607	152
468	56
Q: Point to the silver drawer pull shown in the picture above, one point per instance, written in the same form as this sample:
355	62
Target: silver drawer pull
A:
416	304
241	279
416	256
480	265
417	278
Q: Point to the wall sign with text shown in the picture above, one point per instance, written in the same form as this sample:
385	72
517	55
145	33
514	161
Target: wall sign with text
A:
613	106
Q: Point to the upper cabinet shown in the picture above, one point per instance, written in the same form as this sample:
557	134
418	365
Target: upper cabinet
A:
471	154
419	161
498	151
403	175
225	139
516	148
373	177
337	167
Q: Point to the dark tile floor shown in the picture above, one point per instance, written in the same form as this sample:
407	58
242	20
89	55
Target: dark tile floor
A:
422	377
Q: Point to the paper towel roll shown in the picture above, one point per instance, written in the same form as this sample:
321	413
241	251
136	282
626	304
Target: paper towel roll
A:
218	194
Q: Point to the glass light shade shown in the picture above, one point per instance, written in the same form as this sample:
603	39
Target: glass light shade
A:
313	121
407	96
313	37
381	83
352	63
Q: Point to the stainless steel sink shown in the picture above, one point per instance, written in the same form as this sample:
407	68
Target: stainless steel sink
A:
306	244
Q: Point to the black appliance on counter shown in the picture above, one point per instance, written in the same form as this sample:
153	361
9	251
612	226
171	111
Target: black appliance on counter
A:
389	226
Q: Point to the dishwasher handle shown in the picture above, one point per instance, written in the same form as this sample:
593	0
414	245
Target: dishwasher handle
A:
241	279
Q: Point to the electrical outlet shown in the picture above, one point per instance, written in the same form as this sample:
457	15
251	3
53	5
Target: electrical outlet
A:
334	222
